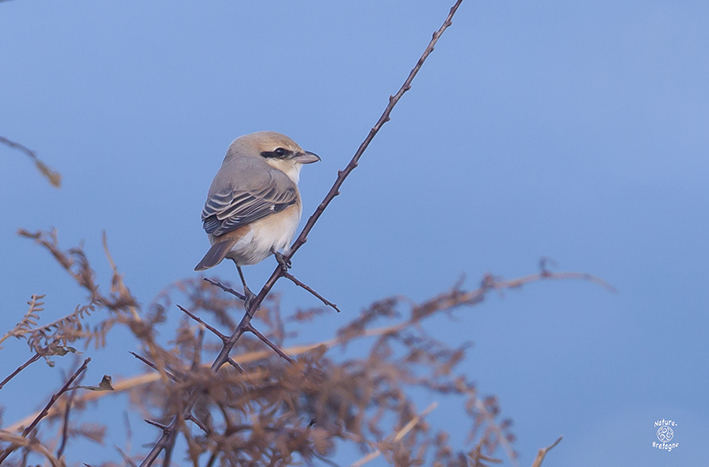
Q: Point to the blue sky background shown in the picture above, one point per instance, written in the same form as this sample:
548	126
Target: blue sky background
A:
573	130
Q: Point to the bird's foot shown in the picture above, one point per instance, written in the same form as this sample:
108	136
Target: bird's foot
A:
248	297
285	263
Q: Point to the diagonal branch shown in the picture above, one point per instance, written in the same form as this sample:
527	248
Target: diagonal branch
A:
31	360
225	288
343	174
268	342
297	282
65	423
154	366
223	356
214	330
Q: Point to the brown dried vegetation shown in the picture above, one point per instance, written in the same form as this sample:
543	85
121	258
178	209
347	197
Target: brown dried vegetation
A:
262	410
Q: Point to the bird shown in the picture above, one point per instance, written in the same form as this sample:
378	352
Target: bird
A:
253	205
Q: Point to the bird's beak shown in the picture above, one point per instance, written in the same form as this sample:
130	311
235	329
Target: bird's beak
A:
306	158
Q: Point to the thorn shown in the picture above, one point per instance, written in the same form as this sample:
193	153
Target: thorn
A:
164	428
233	363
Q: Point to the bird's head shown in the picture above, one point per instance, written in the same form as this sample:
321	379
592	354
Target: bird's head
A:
279	151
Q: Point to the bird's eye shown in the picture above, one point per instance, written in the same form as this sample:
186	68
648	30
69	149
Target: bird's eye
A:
280	152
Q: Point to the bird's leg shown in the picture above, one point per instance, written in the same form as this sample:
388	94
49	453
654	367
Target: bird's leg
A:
248	294
280	257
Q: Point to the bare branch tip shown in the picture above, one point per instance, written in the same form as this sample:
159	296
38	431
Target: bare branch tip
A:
164	428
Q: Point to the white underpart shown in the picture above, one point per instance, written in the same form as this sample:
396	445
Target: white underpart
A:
266	236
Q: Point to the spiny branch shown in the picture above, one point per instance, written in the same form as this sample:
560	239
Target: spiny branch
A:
223	356
343	174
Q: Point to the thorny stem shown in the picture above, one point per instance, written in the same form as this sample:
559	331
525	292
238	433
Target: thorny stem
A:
223	357
44	411
343	174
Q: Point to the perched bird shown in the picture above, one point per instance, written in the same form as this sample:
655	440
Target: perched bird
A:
253	206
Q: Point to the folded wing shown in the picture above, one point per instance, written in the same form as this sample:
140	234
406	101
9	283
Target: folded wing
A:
233	206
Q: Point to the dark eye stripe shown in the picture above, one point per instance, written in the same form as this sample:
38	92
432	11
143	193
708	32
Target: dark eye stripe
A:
278	153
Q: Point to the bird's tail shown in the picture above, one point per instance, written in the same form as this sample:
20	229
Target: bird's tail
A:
216	254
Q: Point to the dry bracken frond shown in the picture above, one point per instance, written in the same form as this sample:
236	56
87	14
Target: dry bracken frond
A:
29	320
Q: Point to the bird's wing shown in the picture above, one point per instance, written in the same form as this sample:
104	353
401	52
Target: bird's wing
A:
236	205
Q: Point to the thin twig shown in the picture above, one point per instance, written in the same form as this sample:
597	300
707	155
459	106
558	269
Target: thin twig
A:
32	359
196	421
297	282
197	357
156	424
199	320
65	426
235	365
52	175
225	288
267	341
154	366
212	458
44	411
543	452
125	457
398	436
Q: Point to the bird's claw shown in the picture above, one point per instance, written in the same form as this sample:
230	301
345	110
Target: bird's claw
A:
285	263
248	298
